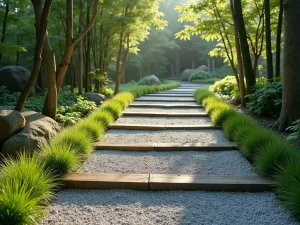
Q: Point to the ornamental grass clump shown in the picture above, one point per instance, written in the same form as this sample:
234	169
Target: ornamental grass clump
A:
113	107
201	94
103	117
76	139
252	139
218	105
220	115
93	129
60	158
288	186
231	125
274	156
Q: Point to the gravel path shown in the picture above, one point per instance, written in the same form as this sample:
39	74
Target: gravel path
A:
166	98
163	120
115	207
178	136
166	110
227	163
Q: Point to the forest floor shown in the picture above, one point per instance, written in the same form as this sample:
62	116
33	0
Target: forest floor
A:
95	206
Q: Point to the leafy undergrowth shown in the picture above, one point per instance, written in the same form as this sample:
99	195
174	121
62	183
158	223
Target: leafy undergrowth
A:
27	183
271	155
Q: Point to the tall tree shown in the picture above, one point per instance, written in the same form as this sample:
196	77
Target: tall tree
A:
278	39
268	41
290	110
4	26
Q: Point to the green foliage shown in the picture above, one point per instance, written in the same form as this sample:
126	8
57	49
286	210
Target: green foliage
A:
60	158
146	81
103	117
227	86
206	81
273	156
295	129
113	107
232	125
266	100
288	188
202	93
93	129
219	116
199	74
10	50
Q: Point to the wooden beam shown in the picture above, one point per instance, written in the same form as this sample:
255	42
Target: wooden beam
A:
161	114
106	181
162	127
165	147
170	182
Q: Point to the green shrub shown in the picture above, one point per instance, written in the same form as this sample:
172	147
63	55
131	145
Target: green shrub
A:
199	74
288	186
202	93
17	207
113	107
93	129
27	170
60	158
220	115
231	125
266	100
227	86
217	105
103	117
76	139
273	156
147	81
295	129
253	138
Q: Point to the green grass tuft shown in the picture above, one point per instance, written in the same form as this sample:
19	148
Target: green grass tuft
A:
93	129
60	158
103	117
273	156
288	186
114	108
202	93
220	115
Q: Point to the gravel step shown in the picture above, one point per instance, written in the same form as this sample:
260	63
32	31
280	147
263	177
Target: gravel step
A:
175	100
165	110
169	95
178	136
116	207
170	98
165	103
166	106
225	163
166	114
164	120
130	126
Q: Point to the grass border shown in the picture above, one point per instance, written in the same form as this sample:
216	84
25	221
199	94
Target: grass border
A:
271	155
20	201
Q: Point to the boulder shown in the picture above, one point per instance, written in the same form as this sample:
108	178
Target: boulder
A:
94	97
14	78
38	130
150	80
203	67
186	74
11	121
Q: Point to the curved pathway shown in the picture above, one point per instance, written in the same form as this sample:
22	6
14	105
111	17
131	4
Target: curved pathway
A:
176	147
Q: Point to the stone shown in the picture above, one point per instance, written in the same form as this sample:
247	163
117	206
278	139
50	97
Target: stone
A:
11	121
39	129
150	80
94	97
14	78
186	74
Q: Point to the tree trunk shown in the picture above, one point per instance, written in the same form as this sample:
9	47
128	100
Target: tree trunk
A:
241	83
290	110
37	55
4	25
247	64
268	41
255	64
88	54
118	63
278	40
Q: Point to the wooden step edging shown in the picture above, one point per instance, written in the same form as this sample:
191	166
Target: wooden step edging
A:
161	114
141	147
164	100
170	95
166	182
162	127
165	106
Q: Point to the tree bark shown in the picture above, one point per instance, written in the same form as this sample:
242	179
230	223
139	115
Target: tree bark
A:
278	40
247	64
4	25
290	110
268	41
37	55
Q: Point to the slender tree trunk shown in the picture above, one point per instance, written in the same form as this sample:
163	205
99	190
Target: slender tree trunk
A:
37	55
88	53
247	64
290	110
255	64
4	25
118	63
241	83
278	40
268	41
